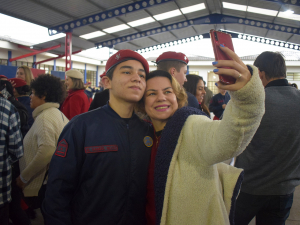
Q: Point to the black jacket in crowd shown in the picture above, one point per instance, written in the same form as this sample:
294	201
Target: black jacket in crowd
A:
100	99
98	174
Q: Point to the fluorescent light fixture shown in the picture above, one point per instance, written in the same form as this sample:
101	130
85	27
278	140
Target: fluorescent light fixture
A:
267	12
167	15
116	28
228	5
288	12
289	16
193	8
137	23
92	35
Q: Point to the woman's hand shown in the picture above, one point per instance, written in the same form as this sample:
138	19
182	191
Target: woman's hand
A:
239	71
20	183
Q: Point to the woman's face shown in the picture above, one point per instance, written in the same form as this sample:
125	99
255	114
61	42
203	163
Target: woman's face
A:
36	101
160	99
20	74
69	83
200	91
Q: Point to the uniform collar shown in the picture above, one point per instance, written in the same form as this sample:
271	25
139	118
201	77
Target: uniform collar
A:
279	82
38	110
109	110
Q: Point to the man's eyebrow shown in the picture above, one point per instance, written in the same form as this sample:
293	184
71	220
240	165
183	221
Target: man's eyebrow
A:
130	67
156	90
126	67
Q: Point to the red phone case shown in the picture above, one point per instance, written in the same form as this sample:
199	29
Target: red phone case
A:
217	38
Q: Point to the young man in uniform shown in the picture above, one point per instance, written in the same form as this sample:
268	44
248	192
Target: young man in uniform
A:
98	174
175	63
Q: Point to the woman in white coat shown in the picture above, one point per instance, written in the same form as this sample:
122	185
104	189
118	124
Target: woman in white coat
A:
187	183
41	140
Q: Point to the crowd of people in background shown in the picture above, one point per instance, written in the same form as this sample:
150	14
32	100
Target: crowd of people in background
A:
148	147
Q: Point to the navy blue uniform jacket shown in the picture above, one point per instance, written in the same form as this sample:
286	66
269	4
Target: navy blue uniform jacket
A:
98	174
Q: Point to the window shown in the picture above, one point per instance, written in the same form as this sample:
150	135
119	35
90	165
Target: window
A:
3	62
91	77
212	78
293	76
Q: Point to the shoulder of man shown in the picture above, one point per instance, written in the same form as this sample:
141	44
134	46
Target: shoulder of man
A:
192	100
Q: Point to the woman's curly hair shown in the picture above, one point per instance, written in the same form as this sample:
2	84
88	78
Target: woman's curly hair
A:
50	87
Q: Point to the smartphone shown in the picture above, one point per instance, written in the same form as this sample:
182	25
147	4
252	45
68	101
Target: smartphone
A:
217	38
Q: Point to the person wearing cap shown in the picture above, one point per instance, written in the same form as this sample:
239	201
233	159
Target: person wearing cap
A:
98	174
77	101
101	98
3	77
175	63
89	91
20	92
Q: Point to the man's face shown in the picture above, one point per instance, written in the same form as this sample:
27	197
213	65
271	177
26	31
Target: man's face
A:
128	82
180	75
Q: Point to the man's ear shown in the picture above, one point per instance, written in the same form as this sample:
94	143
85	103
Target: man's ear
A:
106	82
261	74
172	71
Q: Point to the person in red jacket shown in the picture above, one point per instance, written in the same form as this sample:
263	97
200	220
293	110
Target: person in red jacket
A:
77	101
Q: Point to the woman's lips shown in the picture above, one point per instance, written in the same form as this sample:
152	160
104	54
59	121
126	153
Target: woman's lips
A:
162	108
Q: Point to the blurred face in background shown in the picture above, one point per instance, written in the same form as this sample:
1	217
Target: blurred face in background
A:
69	83
222	91
200	92
20	74
180	75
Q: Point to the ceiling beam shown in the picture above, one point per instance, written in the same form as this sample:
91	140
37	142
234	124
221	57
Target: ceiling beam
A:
285	2
102	16
210	19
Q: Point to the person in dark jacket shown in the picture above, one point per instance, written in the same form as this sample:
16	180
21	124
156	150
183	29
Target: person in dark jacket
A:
22	110
20	92
77	101
101	98
101	178
175	63
218	104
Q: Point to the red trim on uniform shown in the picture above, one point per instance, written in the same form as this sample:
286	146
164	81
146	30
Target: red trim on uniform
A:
102	148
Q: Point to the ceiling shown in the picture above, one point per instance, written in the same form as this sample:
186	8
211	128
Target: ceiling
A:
83	17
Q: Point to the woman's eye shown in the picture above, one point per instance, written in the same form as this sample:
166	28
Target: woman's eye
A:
142	75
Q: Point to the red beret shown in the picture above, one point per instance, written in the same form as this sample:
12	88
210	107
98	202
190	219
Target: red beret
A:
2	76
124	55
103	74
170	56
19	82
